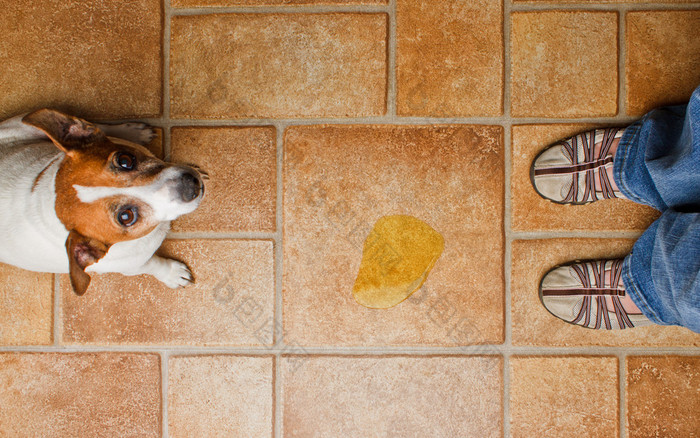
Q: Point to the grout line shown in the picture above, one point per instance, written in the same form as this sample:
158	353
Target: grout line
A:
276	417
621	110
622	409
553	6
507	219
392	44
622	56
415	350
283	9
167	152
164	357
391	120
57	333
278	335
535	235
243	235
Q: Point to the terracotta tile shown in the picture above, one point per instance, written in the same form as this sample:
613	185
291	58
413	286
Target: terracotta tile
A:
95	59
26	307
663	396
449	58
532	212
534	325
278	65
553	70
564	397
220	396
663	58
222	3
241	193
392	396
82	394
230	304
339	180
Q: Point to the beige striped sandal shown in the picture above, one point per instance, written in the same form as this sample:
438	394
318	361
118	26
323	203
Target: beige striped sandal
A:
565	172
590	294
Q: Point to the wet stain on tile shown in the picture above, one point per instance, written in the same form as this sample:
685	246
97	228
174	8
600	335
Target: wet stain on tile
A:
397	257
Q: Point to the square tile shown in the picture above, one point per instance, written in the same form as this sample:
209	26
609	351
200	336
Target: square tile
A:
241	193
531	212
449	58
663	58
230	303
224	3
564	397
663	396
339	180
80	394
26	307
560	68
278	65
392	396
220	396
534	325
93	59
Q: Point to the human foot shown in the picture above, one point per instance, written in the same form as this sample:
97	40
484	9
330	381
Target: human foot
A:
591	294
578	170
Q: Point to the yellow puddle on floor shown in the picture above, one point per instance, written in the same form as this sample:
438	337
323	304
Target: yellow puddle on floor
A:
397	257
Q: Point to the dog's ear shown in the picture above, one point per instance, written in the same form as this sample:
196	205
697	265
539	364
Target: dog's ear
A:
82	252
67	132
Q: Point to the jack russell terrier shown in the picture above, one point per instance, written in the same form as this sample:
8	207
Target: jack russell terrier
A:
78	198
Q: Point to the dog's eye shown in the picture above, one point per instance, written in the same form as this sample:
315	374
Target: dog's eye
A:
127	216
124	161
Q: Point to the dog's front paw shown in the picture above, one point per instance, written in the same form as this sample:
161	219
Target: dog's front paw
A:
175	274
136	132
140	133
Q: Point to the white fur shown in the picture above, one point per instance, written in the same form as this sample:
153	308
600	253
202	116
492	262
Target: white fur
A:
161	195
31	235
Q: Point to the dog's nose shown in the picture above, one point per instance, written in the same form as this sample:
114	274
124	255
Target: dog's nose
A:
190	186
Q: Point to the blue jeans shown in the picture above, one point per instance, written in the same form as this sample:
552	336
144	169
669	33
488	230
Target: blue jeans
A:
658	164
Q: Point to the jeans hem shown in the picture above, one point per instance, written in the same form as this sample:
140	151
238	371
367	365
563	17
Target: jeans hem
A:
636	294
629	138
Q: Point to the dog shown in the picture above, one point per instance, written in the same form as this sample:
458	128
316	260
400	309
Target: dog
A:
82	198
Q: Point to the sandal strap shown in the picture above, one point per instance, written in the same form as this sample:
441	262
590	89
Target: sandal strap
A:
591	165
595	287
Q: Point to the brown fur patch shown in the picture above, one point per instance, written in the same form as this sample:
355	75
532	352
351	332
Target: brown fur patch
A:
93	167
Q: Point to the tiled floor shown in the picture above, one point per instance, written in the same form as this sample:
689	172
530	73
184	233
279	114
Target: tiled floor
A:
315	118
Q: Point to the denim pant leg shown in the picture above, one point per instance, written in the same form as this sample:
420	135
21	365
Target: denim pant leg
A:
658	164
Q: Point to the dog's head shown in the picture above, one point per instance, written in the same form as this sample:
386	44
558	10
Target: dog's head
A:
110	190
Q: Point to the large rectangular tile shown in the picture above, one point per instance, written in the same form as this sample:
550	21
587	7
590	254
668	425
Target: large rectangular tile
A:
392	396
241	193
534	325
339	180
278	65
663	58
231	302
95	59
663	396
560	68
26	307
531	212
220	396
564	397
80	394
449	58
